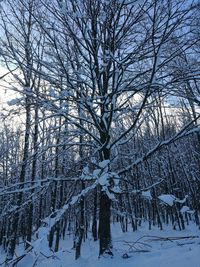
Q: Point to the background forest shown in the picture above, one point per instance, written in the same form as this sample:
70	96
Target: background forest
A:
104	123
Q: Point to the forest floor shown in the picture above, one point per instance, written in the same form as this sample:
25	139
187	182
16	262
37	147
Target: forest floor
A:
144	248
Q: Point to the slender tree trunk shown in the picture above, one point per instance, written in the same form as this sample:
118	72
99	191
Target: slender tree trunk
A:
94	223
33	176
81	209
15	218
80	225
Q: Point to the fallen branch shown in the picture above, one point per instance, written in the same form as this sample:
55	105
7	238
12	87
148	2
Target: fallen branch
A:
157	238
15	261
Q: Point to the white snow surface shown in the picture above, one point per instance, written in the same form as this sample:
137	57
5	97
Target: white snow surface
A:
186	209
176	253
147	194
104	163
171	199
167	199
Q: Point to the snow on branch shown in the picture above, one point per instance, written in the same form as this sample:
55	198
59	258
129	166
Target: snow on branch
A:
55	217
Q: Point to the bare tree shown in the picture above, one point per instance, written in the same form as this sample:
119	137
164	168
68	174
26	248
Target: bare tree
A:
112	57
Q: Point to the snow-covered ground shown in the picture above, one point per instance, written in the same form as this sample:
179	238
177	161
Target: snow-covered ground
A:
154	253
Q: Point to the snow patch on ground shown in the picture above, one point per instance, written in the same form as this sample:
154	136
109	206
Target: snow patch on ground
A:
156	252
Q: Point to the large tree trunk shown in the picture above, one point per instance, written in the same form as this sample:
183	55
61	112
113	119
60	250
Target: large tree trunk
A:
104	225
105	242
